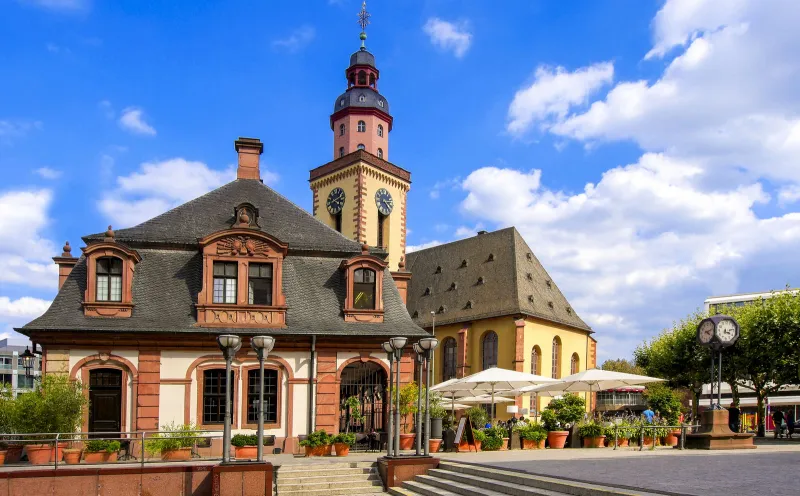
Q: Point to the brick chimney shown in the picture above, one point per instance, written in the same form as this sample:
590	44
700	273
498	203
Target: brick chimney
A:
66	262
249	150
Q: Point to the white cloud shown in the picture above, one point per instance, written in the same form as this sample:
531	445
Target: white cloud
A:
554	92
17	128
160	186
24	307
422	246
451	36
789	194
298	39
132	119
48	173
447	184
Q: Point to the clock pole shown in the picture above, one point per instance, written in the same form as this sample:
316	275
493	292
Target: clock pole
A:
719	381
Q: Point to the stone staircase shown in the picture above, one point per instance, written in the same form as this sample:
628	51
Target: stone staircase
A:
328	478
452	479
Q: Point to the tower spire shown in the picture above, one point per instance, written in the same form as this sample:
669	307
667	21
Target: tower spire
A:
363	21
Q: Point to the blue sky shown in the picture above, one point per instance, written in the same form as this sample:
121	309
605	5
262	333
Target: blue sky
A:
645	149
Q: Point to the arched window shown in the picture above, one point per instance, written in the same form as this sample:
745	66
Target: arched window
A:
556	367
341	151
380	152
536	369
341	129
362	77
361	146
372	80
574	364
489	350
109	279
380	130
362	126
450	348
364	289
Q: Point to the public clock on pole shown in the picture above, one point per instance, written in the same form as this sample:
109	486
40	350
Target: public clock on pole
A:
384	201
719	331
335	201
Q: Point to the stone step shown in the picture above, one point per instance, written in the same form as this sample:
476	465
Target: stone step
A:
346	491
354	473
415	488
326	481
528	481
482	484
465	488
323	465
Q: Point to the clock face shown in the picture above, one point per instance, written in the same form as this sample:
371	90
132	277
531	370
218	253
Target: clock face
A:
335	201
384	201
706	332
726	331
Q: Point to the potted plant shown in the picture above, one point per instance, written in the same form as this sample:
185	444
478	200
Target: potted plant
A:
660	398
564	412
479	436
501	433
100	451
438	414
477	417
318	443
246	445
408	407
174	443
622	431
72	456
533	435
342	443
592	434
493	440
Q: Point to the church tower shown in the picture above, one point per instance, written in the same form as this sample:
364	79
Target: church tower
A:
360	193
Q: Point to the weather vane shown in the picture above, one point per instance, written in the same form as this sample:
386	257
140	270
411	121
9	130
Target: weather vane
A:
363	21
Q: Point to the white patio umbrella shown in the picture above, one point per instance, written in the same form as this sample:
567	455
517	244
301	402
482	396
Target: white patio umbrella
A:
494	380
591	381
452	395
485	398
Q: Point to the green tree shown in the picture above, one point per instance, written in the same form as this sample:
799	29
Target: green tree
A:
622	365
664	400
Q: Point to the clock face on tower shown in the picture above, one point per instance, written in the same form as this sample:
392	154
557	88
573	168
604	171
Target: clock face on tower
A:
706	332
335	201
726	331
384	201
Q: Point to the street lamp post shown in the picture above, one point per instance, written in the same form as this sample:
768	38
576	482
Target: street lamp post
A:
229	344
262	346
397	346
27	361
418	420
387	347
428	345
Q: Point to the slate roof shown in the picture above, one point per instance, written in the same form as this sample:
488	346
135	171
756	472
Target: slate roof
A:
212	212
166	284
351	98
514	282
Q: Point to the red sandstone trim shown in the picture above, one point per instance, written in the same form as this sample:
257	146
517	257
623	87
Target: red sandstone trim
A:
353	158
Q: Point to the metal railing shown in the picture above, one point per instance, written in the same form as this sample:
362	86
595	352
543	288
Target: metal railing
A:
132	443
645	426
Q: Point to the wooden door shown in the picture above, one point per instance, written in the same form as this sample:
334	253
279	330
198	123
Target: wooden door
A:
105	400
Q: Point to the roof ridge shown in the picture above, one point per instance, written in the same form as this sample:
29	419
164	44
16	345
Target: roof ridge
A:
468	238
517	281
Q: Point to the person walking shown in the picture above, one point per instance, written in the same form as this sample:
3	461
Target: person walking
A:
734	418
648	415
777	421
790	422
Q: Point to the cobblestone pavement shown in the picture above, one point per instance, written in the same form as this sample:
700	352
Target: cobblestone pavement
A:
756	472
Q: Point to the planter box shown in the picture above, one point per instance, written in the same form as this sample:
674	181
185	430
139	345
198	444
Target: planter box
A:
246	452
100	457
341	449
593	442
323	450
529	444
14	453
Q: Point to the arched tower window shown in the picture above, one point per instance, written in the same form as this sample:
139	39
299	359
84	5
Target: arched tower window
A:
362	126
341	151
380	130
361	146
489	350
372	79
341	129
556	366
362	78
536	369
364	289
109	279
380	152
574	364
450	348
381	228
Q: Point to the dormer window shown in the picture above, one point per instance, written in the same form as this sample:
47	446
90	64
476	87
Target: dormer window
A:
109	279
438	269
453	286
364	289
427	292
491	258
481	280
259	284
464	263
363	276
225	278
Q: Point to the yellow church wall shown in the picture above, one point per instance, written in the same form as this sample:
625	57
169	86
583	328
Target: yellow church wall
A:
394	236
347	179
442	333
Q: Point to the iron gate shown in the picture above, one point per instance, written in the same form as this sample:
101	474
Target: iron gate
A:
367	382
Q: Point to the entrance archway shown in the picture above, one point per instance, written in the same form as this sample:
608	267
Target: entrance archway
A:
366	381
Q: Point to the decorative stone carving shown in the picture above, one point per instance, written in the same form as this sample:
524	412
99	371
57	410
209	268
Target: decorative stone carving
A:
241	246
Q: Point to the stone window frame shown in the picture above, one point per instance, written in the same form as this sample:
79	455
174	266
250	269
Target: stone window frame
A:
245	370
200	387
557	351
349	266
243	246
449	343
574	364
109	249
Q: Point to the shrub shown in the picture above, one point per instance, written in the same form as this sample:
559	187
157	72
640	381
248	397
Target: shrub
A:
354	407
175	436
550	421
240	440
477	417
56	404
408	402
479	435
621	430
590	429
531	432
665	401
316	439
99	445
492	443
497	431
345	438
568	409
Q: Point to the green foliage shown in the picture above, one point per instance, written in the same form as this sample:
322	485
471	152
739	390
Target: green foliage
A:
622	365
568	409
175	436
316	439
477	417
590	429
665	401
496	431
241	440
531	432
448	422
408	402
99	445
492	443
479	435
550	421
621	430
6	410
345	438
437	408
56	404
354	405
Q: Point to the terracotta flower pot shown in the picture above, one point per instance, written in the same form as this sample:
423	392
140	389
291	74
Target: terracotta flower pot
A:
180	454
434	445
100	457
72	456
38	454
529	444
504	446
14	453
323	450
557	439
478	445
246	452
407	441
57	452
342	449
671	439
593	442
2	457
621	442
309	450
648	441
